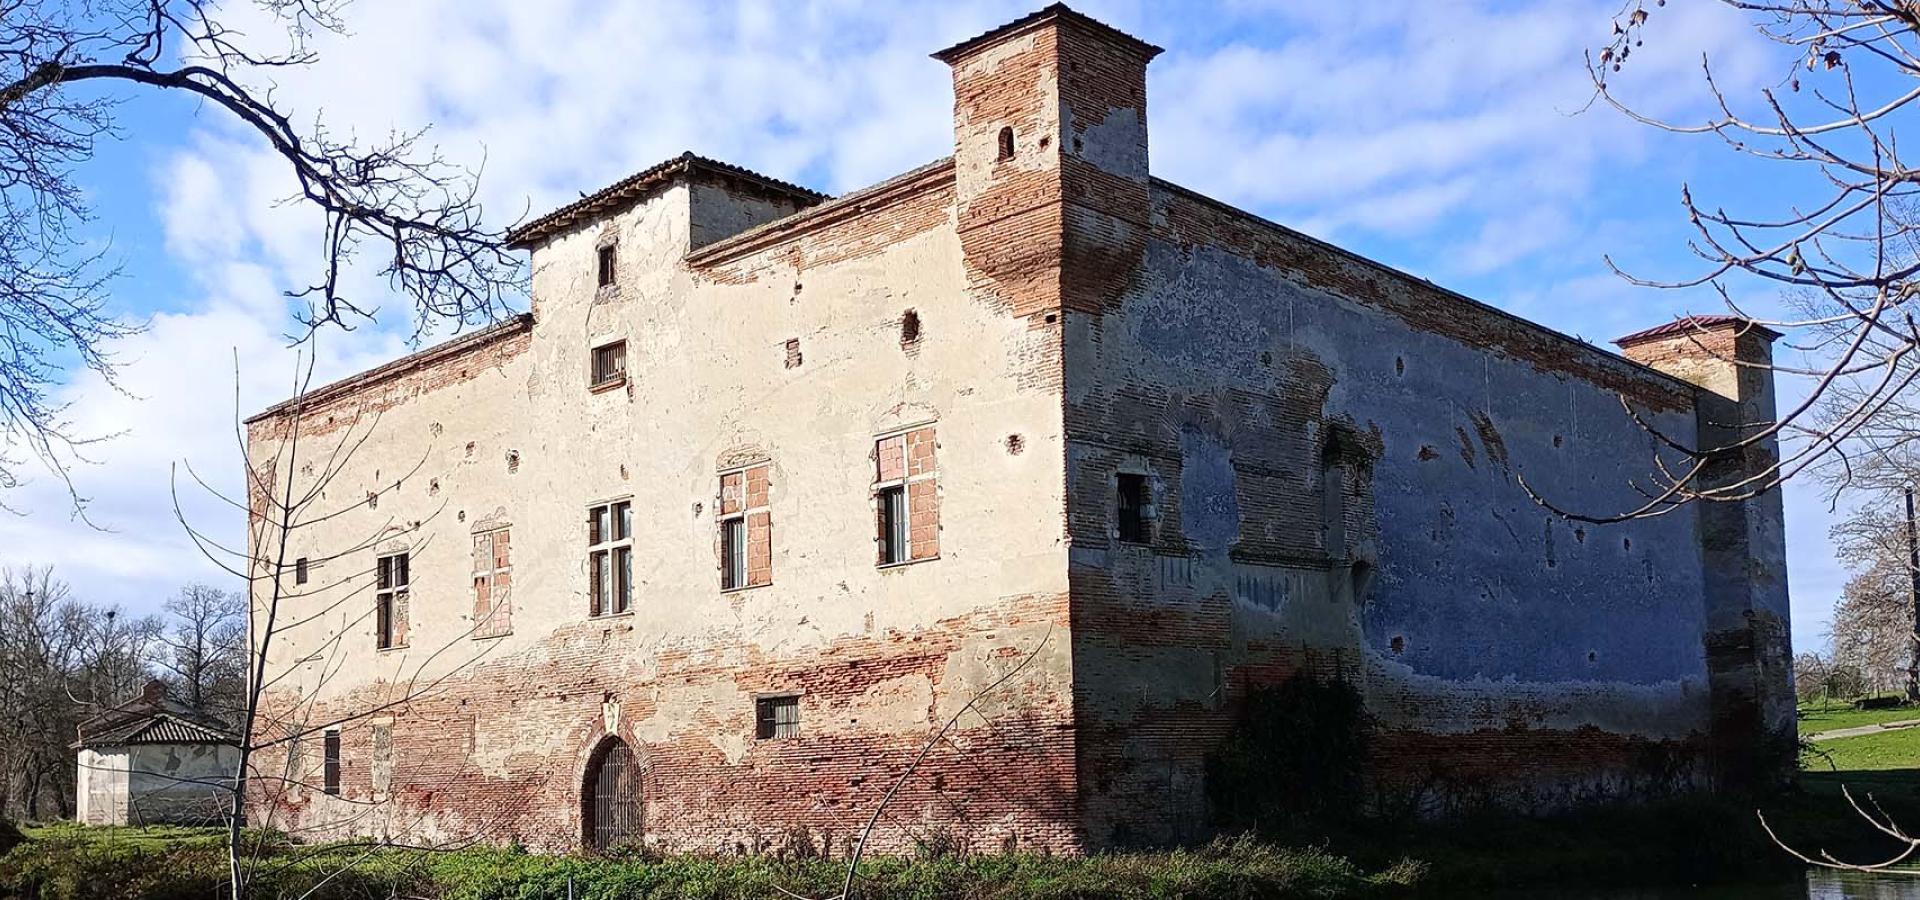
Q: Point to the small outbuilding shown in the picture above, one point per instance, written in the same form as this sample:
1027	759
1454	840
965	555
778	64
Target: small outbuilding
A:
152	760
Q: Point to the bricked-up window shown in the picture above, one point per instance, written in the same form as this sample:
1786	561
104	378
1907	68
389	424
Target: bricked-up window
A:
776	717
607	262
906	497
390	601
492	583
609	364
330	763
1333	502
300	570
610	557
746	528
1133	509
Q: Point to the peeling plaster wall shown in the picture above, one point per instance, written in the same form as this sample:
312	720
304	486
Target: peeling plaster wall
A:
1508	645
879	656
101	786
179	783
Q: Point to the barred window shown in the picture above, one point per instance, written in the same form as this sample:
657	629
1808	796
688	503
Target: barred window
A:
609	364
777	717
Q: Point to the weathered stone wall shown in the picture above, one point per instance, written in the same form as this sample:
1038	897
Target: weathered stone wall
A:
1504	651
454	735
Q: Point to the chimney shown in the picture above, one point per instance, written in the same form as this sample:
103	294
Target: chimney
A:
1050	159
1743	541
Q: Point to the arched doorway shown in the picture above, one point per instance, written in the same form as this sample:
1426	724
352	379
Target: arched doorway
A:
613	801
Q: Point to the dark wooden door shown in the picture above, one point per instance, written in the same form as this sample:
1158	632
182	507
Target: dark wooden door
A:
615	806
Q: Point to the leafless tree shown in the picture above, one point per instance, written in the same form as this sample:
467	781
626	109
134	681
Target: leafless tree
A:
204	648
1839	241
299	485
60	661
64	69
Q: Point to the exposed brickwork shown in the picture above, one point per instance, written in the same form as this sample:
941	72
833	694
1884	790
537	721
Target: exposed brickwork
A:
1331	452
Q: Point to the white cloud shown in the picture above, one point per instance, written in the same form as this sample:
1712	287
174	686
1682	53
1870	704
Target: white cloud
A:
1446	127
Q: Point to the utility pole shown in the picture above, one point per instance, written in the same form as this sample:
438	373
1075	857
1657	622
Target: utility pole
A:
1913	582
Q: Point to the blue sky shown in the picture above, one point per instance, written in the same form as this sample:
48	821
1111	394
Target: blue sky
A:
1445	138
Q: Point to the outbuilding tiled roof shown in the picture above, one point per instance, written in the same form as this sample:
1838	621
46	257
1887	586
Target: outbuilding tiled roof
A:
1695	325
644	182
151	718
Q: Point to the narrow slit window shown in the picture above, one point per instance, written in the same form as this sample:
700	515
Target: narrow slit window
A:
609	364
776	717
330	774
607	263
1133	509
390	600
300	570
610	558
1006	143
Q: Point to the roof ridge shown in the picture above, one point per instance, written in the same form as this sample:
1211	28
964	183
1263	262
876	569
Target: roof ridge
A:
640	183
1697	324
1043	14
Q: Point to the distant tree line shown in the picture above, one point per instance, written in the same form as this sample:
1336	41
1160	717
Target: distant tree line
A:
63	660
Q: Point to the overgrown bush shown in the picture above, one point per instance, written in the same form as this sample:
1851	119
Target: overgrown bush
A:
1294	764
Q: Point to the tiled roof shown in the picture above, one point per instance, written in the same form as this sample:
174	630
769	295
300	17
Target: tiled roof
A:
450	347
151	718
644	182
1695	325
1054	11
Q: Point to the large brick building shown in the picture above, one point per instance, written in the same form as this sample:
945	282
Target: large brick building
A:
768	486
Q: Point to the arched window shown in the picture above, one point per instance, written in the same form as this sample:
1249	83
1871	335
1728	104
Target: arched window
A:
613	802
1006	143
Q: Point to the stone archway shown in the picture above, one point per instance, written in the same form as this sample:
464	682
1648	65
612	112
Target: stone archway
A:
612	797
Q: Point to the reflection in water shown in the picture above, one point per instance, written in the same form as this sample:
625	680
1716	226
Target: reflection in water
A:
1819	885
1826	885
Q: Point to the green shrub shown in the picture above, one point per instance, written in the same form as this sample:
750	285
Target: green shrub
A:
1295	761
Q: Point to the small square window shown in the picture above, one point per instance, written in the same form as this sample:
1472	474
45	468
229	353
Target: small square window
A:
1134	509
300	570
607	265
777	717
609	364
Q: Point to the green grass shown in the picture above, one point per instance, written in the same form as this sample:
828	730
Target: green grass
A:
1841	715
1893	749
72	862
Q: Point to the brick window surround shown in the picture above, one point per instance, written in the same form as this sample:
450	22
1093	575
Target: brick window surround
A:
390	595
610	558
746	528
906	497
492	583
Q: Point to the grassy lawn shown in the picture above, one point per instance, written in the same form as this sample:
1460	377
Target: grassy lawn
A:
1841	715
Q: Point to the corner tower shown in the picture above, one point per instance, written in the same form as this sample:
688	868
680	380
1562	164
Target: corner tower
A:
1050	158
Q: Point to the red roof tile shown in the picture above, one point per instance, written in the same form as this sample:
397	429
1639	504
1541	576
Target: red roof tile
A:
1696	325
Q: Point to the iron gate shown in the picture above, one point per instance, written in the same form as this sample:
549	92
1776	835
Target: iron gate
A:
615	806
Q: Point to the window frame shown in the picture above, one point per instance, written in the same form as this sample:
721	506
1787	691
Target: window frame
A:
330	762
1132	507
491	628
387	594
606	265
767	723
883	488
733	551
601	378
617	550
896	540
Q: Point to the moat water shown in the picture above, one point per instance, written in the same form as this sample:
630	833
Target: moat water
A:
1818	885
